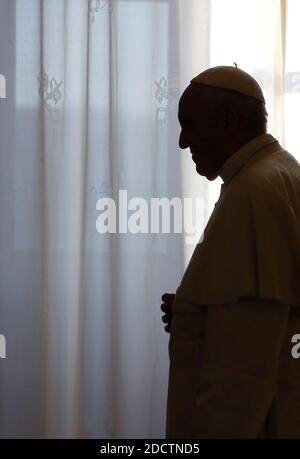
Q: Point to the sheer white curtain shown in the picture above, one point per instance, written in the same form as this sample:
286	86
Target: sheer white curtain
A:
91	109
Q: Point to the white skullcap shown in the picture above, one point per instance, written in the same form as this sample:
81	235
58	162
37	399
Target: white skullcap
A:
229	77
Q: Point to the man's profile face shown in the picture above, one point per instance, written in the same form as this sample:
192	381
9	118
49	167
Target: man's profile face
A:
200	131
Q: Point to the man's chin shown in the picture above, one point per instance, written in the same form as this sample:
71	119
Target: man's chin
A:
209	175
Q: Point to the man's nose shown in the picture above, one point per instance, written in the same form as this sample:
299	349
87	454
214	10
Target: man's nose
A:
183	141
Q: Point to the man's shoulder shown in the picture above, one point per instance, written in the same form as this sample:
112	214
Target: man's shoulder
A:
276	175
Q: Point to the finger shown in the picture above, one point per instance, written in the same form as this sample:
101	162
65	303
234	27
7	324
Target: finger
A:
166	318
166	307
168	297
167	328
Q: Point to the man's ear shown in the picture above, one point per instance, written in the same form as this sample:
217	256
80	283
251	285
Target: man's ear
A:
227	116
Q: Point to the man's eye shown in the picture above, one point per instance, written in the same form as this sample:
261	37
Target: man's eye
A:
186	123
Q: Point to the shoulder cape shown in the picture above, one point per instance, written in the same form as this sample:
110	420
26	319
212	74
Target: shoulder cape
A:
250	247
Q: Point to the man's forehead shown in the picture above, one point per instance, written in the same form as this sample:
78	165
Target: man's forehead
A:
191	100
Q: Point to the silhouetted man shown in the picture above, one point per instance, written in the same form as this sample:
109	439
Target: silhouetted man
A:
232	373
